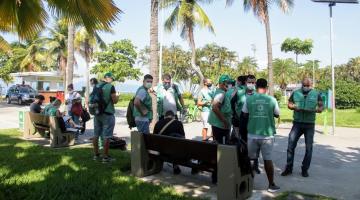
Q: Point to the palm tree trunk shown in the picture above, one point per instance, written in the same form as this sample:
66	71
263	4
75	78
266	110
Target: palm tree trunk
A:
193	56
62	66
70	59
87	79
154	53
269	52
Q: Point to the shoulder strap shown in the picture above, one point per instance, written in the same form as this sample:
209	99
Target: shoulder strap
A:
166	125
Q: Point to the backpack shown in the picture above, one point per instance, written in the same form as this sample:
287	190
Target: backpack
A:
97	104
77	109
129	114
117	143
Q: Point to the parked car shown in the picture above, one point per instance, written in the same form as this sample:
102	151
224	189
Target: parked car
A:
20	94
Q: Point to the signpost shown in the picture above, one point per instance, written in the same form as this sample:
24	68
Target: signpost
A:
332	3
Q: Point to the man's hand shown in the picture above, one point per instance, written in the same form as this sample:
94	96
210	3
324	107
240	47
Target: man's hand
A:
319	110
226	125
145	112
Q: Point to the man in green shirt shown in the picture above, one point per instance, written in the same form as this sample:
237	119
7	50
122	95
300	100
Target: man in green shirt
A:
305	103
221	113
261	109
104	123
204	101
143	106
237	103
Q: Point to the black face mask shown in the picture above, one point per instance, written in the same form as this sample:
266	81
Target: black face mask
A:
209	85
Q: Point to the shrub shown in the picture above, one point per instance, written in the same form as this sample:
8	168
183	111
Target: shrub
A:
278	95
347	93
126	96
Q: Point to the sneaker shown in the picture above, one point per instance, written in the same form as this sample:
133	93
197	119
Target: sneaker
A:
96	157
273	188
286	172
304	173
107	159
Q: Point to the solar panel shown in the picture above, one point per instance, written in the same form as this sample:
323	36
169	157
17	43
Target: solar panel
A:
336	1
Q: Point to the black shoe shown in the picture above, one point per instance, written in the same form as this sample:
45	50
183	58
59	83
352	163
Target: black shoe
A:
273	188
177	170
256	169
286	172
304	173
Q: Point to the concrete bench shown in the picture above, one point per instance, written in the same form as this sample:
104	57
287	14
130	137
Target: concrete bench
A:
149	151
39	125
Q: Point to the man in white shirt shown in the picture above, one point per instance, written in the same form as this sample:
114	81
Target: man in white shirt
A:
70	98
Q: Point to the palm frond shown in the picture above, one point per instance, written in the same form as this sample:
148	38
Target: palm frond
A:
285	5
168	3
202	19
172	21
4	45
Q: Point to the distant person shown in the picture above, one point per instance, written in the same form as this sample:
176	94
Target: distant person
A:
305	103
221	113
143	106
53	110
243	126
35	107
104	123
172	127
72	98
261	109
169	97
204	101
237	103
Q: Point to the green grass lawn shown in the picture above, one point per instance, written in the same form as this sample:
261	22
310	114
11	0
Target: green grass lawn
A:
297	195
29	171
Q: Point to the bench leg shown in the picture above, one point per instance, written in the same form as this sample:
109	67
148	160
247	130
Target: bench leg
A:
231	183
141	164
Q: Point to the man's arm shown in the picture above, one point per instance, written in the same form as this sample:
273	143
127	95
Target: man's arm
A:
245	111
114	98
216	108
181	99
320	107
276	109
137	102
291	104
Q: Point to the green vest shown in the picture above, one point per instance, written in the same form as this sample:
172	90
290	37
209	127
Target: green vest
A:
107	97
147	102
241	98
225	110
207	96
308	103
50	110
160	98
261	114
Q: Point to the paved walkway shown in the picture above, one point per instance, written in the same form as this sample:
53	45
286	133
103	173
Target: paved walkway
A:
334	170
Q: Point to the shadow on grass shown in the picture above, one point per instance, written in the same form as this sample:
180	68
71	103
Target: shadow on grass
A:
29	171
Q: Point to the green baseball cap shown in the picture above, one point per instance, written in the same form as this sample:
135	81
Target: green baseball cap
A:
224	78
109	75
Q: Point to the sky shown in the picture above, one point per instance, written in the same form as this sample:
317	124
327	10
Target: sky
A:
237	29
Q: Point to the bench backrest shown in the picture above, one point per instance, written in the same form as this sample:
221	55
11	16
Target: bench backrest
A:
179	148
39	119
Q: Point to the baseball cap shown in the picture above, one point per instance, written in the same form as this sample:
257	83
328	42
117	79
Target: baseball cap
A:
109	75
224	78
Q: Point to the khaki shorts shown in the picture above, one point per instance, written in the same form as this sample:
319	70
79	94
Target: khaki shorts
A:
204	119
263	145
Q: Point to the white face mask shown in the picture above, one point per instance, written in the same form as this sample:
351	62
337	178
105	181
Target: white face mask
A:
250	86
148	85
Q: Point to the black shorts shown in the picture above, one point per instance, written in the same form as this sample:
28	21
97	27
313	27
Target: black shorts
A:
220	135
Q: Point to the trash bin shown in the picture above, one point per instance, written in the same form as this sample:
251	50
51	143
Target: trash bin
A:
21	119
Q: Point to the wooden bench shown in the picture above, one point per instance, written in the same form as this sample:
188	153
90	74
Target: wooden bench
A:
149	151
39	125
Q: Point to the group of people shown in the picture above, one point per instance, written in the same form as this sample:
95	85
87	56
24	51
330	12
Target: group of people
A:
240	109
71	118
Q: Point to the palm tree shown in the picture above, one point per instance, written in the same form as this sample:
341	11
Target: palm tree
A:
86	44
261	10
285	72
154	52
188	14
247	66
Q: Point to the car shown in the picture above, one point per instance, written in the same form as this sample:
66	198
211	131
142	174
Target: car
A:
20	94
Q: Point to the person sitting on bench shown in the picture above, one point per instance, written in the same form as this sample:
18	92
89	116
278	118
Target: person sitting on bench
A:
172	127
35	107
53	110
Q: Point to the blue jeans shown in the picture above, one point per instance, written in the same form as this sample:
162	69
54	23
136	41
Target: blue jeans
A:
75	118
104	125
143	126
297	130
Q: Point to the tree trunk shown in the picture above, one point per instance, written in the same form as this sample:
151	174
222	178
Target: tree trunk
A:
62	66
87	79
154	53
193	56
269	52
297	58
70	58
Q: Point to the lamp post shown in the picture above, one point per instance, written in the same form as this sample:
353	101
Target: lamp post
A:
332	3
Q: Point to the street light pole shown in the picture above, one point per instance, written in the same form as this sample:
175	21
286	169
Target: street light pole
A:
331	5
